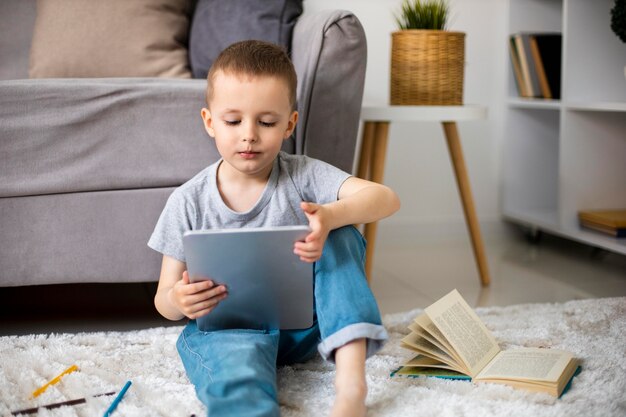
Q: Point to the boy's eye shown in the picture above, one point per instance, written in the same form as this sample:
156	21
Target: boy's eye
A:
267	124
232	122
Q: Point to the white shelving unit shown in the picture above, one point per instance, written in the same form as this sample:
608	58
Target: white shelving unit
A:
562	156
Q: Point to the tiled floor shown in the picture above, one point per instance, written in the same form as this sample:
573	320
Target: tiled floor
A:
405	277
552	270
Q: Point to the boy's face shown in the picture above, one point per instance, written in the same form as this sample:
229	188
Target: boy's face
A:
249	117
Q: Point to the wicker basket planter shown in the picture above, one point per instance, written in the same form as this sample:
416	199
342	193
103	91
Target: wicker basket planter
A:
427	67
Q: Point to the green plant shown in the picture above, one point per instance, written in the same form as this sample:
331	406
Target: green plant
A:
427	14
618	19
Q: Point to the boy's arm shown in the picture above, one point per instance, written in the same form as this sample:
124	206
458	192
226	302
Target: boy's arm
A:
359	201
176	298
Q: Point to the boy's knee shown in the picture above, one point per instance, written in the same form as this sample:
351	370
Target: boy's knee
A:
346	235
344	244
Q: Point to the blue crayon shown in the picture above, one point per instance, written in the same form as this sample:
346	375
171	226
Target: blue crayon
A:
117	400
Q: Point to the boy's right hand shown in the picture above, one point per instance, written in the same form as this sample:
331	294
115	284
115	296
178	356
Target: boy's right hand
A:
196	299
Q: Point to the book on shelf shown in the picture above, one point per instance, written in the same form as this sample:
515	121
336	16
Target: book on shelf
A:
517	69
452	342
610	222
539	58
523	58
532	67
544	85
548	47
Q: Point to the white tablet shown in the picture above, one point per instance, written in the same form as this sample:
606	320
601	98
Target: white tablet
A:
269	287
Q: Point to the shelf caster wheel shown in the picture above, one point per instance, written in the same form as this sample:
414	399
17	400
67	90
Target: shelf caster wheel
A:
533	235
598	254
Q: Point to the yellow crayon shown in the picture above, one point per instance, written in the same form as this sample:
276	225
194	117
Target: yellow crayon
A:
53	381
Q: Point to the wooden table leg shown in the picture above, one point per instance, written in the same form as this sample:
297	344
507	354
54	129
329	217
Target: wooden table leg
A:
376	170
369	129
460	170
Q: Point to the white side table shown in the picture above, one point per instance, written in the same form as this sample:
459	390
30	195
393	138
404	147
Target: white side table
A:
374	148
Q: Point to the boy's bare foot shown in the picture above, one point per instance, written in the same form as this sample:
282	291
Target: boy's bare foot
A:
349	405
350	383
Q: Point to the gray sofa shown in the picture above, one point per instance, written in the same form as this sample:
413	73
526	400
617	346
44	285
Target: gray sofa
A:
86	165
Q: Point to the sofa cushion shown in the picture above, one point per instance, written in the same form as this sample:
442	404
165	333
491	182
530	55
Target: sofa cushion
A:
17	19
112	38
80	237
219	23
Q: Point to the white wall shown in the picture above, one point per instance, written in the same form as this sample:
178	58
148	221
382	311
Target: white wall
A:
418	166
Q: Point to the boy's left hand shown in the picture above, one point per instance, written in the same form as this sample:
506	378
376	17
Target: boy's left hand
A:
311	249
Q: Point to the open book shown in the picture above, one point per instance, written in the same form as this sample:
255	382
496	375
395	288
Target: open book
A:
450	338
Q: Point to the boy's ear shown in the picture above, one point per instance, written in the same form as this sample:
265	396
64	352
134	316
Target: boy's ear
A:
207	119
291	125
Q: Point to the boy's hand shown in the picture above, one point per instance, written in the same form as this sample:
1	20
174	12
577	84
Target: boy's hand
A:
319	221
196	299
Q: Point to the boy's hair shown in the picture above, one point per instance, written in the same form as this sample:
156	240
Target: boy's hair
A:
254	58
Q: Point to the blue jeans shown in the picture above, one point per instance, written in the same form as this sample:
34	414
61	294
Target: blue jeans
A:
234	371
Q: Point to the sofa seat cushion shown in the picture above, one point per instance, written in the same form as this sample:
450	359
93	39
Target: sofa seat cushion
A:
80	237
111	38
68	135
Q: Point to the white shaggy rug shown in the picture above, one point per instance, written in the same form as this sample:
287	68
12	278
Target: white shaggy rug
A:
595	330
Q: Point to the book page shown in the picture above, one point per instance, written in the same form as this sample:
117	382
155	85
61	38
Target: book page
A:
416	329
416	372
422	361
469	337
426	323
527	363
423	346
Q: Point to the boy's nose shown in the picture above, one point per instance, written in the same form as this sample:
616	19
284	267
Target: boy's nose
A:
250	133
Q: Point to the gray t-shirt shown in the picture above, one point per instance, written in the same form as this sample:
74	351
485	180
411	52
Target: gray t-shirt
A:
198	205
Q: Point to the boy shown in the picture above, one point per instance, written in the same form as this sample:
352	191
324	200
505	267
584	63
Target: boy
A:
250	111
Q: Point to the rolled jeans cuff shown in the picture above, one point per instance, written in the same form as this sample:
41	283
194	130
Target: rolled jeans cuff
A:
375	336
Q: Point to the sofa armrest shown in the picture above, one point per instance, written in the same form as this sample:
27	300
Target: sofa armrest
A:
329	52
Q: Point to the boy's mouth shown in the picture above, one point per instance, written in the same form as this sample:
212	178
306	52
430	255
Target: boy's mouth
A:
248	154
